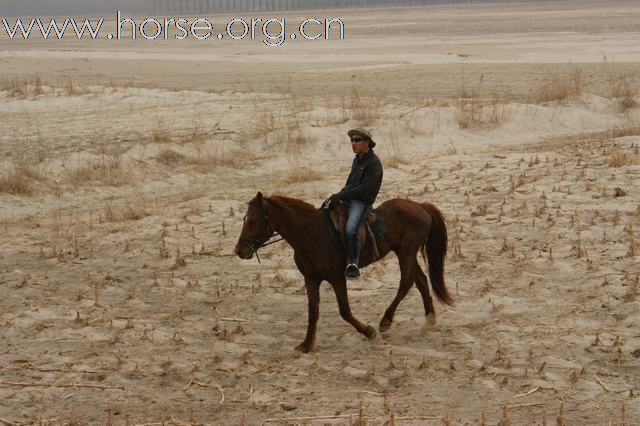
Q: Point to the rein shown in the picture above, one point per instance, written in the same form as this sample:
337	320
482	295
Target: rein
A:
256	245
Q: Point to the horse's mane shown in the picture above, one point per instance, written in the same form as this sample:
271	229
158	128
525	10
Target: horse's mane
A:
298	208
293	203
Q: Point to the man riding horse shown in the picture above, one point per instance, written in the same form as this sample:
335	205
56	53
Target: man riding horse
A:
359	193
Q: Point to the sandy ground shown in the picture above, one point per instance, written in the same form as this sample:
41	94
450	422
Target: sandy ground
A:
121	301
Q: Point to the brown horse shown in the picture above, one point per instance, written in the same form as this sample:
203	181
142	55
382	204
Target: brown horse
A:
409	227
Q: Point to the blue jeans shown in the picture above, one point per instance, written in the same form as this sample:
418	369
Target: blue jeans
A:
355	212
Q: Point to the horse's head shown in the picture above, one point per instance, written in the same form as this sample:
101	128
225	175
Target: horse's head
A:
256	229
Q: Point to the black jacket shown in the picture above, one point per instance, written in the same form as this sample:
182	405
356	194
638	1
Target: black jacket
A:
364	180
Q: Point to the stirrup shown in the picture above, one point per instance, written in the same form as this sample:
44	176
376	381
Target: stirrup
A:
352	272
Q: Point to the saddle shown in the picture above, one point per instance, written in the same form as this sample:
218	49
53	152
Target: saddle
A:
338	219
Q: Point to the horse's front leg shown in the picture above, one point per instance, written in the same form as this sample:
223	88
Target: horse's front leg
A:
313	295
340	289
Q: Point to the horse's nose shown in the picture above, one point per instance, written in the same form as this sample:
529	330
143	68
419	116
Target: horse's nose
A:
240	252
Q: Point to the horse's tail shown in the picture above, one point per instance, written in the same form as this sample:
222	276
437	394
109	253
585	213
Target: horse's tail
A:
434	251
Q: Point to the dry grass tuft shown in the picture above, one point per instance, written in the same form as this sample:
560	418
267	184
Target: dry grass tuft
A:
127	212
468	113
70	89
169	157
263	124
22	87
19	179
159	135
108	171
284	121
396	159
15	183
218	158
162	134
559	87
302	174
618	159
473	112
623	90
499	111
363	110
296	146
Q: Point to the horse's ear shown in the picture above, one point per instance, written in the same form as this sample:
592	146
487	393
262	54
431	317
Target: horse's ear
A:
259	197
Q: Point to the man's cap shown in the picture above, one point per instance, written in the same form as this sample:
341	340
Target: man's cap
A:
364	133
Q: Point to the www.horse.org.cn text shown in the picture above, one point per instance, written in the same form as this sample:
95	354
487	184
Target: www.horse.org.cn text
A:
272	31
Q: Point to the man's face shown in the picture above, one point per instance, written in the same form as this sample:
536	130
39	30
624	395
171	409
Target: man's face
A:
359	145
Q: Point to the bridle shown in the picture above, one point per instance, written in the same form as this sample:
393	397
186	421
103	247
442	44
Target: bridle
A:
254	244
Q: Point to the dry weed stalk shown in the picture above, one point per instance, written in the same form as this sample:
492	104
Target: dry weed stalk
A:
70	89
73	418
500	352
560	420
423	364
541	369
616	217
631	294
96	296
623	417
179	262
147	334
619	357
504	420
386	405
631	252
576	375
109	417
391	364
93	351
486	288
164	252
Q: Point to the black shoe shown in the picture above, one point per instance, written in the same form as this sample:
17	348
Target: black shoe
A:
352	272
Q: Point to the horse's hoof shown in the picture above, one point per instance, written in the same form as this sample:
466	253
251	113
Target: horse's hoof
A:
429	321
304	348
384	326
370	332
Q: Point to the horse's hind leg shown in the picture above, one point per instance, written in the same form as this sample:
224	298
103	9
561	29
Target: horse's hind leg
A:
423	287
406	281
340	288
313	295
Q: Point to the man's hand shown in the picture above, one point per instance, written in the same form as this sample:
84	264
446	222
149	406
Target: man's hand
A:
334	200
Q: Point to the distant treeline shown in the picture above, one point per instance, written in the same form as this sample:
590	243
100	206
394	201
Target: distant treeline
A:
88	7
182	6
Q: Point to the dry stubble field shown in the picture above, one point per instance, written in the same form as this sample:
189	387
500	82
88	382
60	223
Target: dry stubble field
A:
125	176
